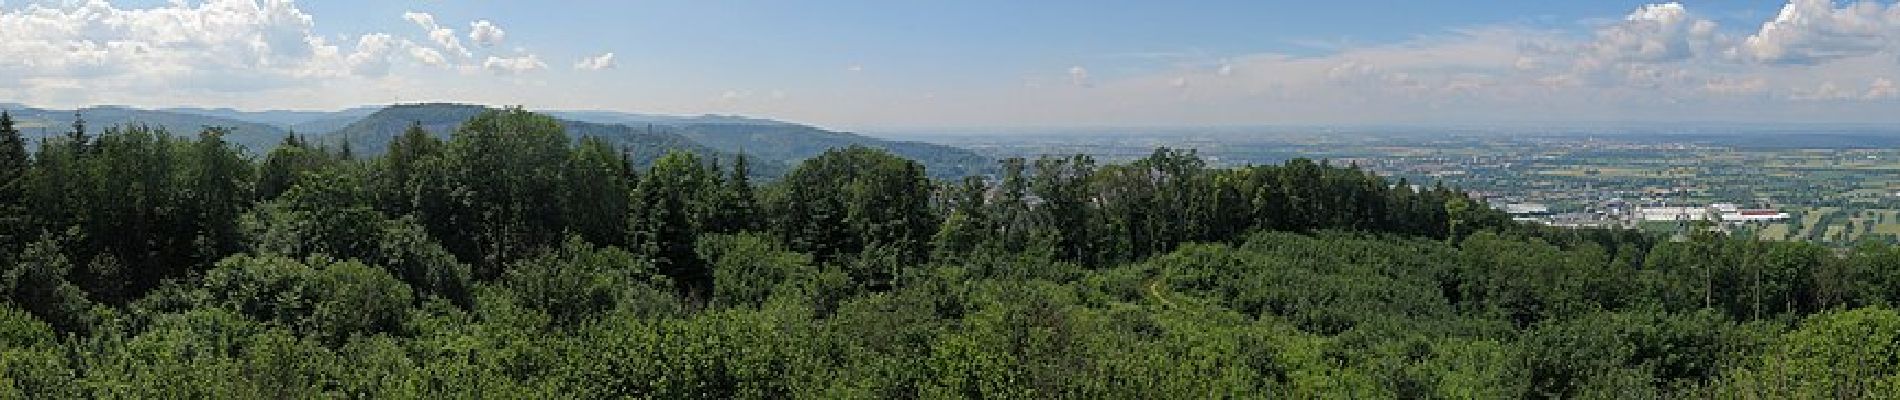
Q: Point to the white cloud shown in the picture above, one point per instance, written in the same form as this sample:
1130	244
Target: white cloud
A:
1659	62
854	68
485	33
444	38
372	54
1079	76
52	49
1655	33
596	63
426	55
1814	31
514	65
1881	89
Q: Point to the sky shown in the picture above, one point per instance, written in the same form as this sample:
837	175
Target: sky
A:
981	63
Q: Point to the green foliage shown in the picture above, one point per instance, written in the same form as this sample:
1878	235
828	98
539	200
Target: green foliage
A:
579	282
37	283
287	165
671	208
597	192
155	271
14	168
750	267
856	199
326	299
331	214
503	181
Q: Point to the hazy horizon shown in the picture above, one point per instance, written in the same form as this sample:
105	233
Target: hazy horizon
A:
980	64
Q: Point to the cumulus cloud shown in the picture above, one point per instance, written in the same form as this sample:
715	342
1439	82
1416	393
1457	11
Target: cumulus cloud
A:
426	55
372	54
596	63
1655	33
514	65
1660	61
485	33
444	38
220	45
1814	31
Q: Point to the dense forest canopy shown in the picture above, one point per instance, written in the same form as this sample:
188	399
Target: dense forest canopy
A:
513	261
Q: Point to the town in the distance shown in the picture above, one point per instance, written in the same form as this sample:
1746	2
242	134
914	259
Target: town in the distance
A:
1826	184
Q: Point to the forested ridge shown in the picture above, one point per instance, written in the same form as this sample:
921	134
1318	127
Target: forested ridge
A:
510	261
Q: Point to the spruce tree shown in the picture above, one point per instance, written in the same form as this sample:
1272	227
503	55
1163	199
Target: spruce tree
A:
77	137
13	175
743	209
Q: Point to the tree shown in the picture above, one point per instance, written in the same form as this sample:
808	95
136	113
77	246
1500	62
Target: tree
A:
748	268
402	169
578	282
668	213
38	283
737	208
847	201
326	213
503	182
286	164
331	213
220	179
967	225
1063	215
323	297
77	138
597	194
14	170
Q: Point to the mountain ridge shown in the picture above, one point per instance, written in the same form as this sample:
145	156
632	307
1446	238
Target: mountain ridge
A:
772	145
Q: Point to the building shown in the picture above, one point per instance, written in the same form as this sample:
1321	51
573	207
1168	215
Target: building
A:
1720	212
1671	214
1746	216
1527	212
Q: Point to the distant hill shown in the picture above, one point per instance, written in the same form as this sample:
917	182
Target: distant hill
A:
785	141
372	134
771	145
636	120
793	143
317	122
256	138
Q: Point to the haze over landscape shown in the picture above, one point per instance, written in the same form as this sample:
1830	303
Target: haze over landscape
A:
854	199
985	63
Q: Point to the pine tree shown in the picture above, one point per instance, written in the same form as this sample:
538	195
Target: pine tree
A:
13	175
13	161
665	220
743	206
77	138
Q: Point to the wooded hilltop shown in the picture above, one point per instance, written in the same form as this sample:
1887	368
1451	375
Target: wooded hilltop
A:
515	261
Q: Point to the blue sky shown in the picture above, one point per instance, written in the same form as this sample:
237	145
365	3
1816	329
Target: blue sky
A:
876	64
